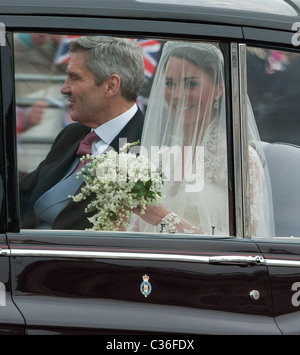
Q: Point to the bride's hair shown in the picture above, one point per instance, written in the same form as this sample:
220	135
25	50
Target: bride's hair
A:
205	56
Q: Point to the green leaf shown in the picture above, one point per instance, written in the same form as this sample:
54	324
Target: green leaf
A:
148	184
149	194
112	215
91	209
139	188
138	185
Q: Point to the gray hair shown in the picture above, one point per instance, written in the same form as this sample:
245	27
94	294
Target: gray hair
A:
109	55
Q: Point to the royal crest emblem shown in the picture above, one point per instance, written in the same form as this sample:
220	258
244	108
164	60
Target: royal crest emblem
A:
145	287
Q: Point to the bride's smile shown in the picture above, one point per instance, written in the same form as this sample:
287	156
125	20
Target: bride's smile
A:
189	91
182	108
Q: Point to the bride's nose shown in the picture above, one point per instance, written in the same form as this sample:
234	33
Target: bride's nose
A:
176	93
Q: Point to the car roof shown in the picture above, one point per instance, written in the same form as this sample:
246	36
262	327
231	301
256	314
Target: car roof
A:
276	14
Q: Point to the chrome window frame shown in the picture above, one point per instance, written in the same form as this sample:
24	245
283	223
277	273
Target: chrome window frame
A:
239	108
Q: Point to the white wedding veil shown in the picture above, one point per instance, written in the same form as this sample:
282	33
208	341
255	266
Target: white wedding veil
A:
185	135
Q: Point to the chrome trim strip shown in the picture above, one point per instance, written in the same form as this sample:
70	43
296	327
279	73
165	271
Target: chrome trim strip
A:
109	255
239	208
5	252
244	137
234	260
283	263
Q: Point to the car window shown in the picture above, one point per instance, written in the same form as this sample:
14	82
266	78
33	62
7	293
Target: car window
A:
184	136
40	110
273	90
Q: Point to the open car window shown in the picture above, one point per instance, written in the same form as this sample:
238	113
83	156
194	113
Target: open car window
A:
184	135
273	90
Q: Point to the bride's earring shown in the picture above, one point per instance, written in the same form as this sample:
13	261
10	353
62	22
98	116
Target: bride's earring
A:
216	104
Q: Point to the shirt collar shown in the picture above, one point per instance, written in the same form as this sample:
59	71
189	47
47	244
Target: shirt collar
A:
109	130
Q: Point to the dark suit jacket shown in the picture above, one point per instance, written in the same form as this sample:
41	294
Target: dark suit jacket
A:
55	167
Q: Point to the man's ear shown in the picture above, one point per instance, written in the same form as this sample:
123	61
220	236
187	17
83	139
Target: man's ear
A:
113	85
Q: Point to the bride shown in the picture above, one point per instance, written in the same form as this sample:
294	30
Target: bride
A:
185	134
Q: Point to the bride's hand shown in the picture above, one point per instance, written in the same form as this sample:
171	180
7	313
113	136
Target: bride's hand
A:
153	214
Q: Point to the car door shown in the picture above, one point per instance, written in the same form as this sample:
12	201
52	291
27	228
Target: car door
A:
70	284
118	282
11	320
282	260
273	76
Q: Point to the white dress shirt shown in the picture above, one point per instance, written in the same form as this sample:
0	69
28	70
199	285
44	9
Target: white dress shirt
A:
109	130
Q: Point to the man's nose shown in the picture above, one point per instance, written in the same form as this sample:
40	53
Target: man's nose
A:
65	89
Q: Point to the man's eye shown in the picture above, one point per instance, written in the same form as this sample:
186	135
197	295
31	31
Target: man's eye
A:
72	76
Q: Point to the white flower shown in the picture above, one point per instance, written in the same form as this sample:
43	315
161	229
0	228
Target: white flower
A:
119	183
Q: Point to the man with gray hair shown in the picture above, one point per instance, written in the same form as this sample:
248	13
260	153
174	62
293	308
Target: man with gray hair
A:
104	78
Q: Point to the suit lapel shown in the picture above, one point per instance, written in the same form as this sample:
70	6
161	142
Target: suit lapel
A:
73	216
60	159
131	132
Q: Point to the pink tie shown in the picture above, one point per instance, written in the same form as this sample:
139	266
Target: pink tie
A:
85	148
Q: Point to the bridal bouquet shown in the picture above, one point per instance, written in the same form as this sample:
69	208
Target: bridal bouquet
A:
120	182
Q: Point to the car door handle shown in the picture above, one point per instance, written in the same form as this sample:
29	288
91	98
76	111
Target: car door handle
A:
237	260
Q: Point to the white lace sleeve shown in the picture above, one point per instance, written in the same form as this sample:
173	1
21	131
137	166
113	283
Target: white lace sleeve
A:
175	224
256	187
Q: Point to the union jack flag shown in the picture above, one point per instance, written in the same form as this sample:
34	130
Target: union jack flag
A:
151	50
63	54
